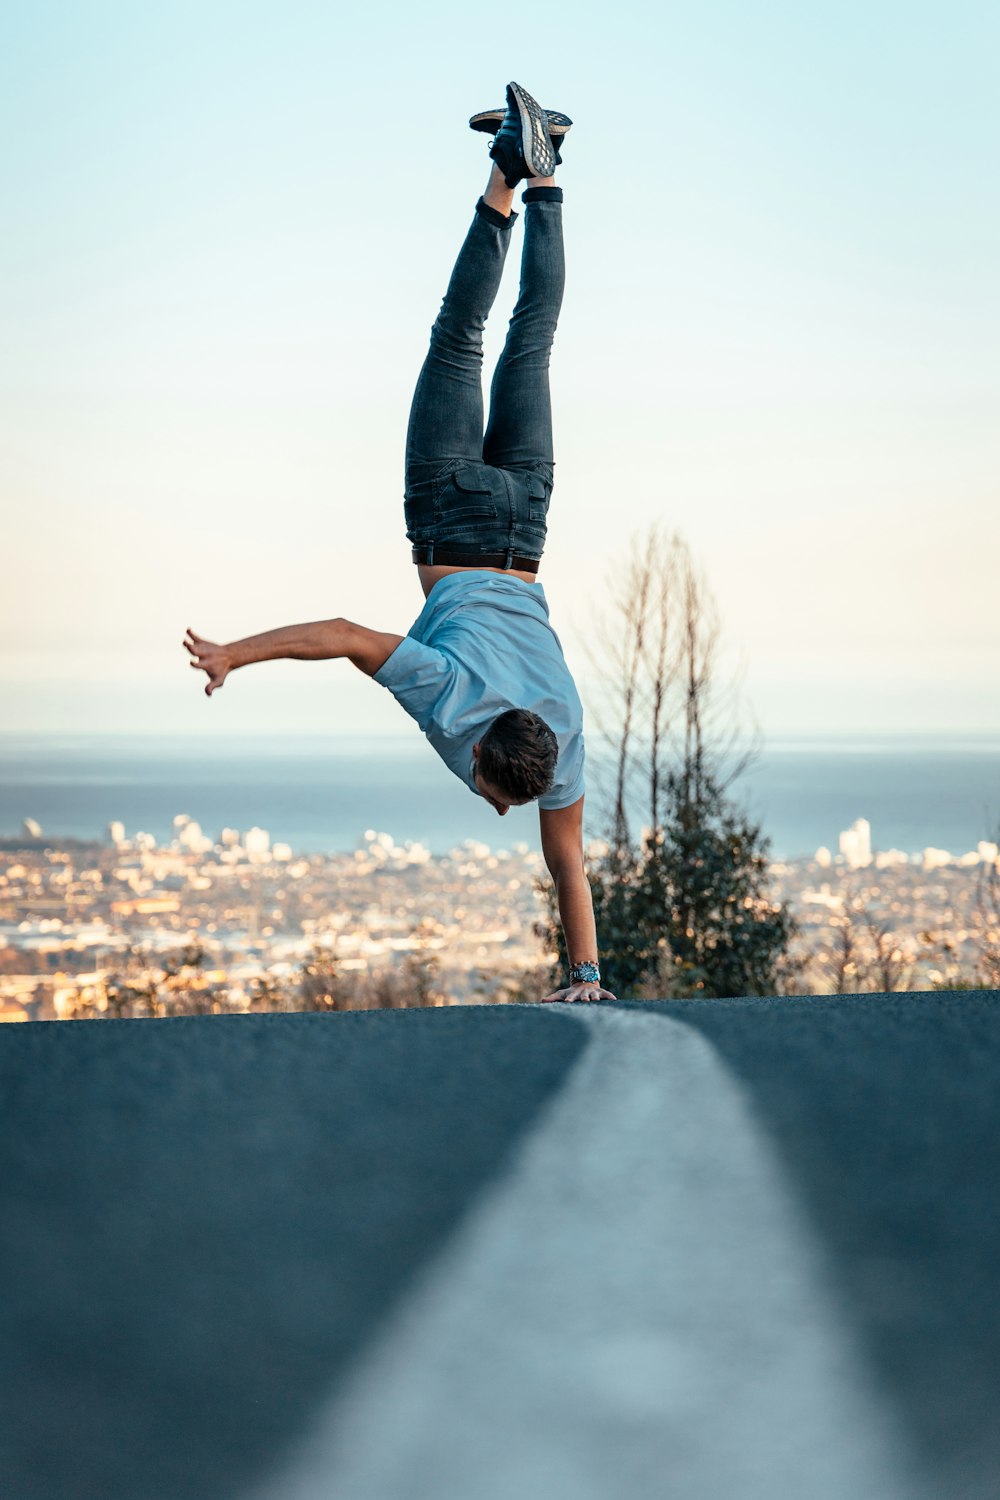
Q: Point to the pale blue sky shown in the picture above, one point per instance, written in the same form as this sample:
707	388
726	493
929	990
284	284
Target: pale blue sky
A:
226	232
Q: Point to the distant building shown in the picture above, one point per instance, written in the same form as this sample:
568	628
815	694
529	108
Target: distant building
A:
988	852
823	857
856	844
116	833
32	829
934	859
257	843
470	849
191	837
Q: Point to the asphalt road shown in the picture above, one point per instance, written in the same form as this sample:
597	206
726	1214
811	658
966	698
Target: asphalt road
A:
719	1249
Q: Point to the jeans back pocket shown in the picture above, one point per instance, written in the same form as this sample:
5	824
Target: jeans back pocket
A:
538	498
468	494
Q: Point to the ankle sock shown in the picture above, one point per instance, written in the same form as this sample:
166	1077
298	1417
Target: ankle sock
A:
494	216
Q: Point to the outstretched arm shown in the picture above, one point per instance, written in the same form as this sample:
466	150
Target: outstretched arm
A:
317	641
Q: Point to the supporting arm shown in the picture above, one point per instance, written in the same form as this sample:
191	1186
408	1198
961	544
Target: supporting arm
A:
562	845
576	913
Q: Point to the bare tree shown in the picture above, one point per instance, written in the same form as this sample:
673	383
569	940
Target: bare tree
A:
660	661
867	953
321	985
618	666
685	910
846	967
889	965
268	993
660	698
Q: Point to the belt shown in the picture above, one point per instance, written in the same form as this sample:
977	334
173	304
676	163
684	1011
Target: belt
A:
475	559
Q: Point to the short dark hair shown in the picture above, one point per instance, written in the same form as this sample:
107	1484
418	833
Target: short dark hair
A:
518	755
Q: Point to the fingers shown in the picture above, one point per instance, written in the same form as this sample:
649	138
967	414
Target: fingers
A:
196	644
569	997
202	655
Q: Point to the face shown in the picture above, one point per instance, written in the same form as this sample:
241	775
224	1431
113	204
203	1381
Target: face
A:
502	804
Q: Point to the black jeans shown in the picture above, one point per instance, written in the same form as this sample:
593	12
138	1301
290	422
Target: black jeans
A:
465	491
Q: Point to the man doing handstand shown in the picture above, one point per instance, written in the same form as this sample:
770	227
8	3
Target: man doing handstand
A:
481	669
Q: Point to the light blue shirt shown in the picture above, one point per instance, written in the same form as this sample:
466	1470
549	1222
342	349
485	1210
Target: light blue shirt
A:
483	644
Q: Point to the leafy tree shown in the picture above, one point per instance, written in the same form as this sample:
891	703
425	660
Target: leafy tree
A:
704	882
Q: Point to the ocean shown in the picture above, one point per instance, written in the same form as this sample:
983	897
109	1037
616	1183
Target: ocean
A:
321	793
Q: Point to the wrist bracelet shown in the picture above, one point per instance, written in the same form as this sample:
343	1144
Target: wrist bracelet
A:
585	973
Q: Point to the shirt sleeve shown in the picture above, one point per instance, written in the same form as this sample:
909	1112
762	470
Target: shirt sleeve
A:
564	794
416	676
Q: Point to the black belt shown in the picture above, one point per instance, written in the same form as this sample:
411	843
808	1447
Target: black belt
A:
475	559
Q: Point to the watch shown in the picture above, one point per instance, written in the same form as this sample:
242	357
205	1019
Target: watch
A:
585	973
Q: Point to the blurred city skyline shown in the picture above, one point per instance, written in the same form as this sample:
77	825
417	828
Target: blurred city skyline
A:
228	231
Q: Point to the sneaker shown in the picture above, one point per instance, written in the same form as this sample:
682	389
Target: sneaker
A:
522	147
490	120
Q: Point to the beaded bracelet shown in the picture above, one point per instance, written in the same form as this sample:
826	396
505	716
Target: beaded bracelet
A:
585	973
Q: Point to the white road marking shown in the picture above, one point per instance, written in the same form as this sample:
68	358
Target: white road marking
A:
637	1308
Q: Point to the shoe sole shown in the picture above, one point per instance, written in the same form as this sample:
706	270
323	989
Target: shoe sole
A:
539	157
490	120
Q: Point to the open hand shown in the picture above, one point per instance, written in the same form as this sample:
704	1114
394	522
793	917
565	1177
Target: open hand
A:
588	990
210	657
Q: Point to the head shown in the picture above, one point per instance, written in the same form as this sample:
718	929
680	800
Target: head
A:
515	759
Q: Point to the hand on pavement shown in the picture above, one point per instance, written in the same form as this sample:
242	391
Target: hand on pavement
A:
585	991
